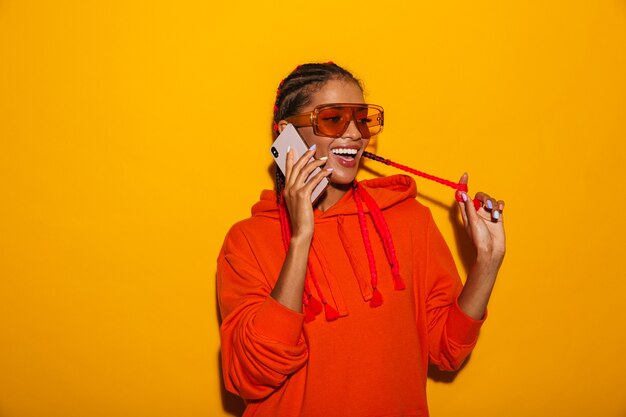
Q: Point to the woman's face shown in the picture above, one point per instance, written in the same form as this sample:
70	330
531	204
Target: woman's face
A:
344	166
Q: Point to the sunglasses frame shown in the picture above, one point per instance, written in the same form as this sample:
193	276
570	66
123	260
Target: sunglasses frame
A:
310	118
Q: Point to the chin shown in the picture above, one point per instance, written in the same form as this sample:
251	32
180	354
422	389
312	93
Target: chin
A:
342	178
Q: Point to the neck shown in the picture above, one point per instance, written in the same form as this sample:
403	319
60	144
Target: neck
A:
333	193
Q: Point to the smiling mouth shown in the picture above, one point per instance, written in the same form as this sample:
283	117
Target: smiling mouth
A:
345	153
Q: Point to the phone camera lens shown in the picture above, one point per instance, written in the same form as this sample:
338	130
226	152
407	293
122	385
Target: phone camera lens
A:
274	152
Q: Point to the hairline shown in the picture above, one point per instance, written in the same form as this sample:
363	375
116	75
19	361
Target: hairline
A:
313	88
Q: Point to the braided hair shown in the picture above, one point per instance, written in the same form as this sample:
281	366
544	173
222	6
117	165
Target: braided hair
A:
295	91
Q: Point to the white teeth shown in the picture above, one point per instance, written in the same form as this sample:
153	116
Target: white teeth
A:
344	151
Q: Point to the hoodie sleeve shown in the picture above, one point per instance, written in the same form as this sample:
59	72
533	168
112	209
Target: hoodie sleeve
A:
261	340
452	334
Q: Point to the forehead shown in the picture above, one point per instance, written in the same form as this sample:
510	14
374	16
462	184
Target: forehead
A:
336	91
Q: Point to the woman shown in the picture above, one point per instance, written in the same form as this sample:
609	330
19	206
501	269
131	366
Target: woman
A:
336	308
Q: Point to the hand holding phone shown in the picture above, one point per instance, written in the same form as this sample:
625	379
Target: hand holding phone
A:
290	139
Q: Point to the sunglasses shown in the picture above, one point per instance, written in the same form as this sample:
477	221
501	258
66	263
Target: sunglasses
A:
332	120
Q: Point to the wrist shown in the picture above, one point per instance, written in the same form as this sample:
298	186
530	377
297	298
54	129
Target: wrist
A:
300	241
489	257
486	267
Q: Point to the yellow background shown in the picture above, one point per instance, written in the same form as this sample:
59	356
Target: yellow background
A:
133	134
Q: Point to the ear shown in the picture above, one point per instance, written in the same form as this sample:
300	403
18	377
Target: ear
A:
282	125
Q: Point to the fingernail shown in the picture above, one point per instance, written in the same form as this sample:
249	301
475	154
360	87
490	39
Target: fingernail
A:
323	158
313	147
464	196
288	149
489	204
496	214
330	169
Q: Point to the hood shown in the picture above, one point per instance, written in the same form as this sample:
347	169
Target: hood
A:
387	191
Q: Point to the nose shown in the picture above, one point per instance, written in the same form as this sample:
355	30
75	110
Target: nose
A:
352	132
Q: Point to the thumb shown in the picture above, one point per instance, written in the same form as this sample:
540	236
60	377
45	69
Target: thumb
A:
464	178
463	181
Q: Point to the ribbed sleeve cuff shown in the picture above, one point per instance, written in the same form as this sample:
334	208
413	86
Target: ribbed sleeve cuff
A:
277	322
462	328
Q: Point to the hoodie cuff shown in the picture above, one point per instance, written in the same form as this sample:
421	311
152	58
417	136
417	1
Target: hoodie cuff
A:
279	323
462	328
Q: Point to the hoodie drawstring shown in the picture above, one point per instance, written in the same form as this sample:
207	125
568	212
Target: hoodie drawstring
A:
313	307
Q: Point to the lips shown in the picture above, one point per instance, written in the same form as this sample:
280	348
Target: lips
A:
346	155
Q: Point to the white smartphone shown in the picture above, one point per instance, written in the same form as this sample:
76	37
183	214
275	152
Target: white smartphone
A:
291	138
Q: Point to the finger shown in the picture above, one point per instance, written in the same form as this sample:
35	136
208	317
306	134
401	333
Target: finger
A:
297	166
462	203
494	208
305	172
470	211
305	158
464	178
462	181
294	158
490	204
482	197
496	215
288	163
315	180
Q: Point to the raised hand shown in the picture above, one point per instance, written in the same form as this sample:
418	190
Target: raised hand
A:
290	283
298	194
485	228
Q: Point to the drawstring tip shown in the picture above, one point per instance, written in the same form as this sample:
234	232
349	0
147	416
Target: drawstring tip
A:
315	306
330	313
377	299
309	316
398	283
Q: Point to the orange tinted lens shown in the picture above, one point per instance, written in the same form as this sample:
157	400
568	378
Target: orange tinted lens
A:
333	121
369	121
362	120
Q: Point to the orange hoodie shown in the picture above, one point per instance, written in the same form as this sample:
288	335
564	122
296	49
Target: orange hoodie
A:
371	361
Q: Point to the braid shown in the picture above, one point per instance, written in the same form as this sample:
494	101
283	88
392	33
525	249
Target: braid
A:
279	182
456	186
294	92
312	306
310	309
383	231
377	298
